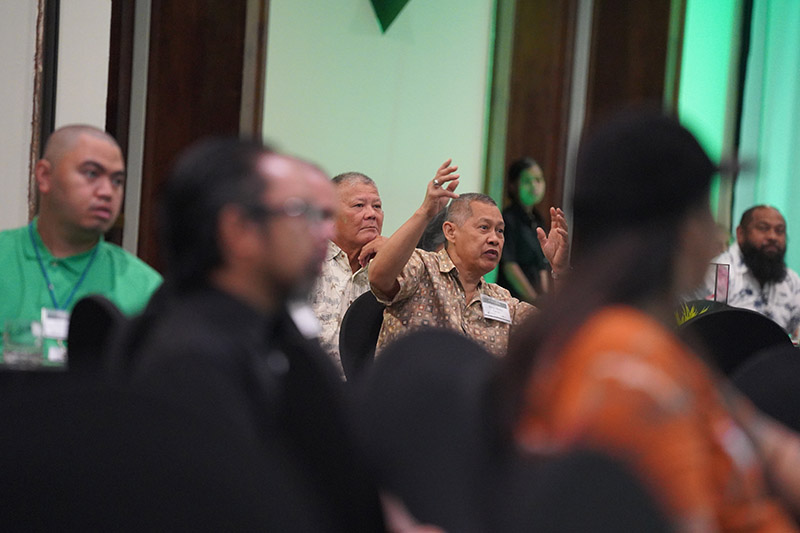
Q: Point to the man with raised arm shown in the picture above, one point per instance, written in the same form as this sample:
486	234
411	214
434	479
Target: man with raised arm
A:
446	288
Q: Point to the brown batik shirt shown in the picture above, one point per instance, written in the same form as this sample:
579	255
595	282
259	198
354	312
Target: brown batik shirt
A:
431	295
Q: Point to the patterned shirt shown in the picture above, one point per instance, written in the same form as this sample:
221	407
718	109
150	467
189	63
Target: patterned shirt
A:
334	291
431	295
777	301
625	385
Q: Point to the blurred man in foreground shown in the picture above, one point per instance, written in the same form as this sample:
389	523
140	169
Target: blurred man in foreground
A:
245	231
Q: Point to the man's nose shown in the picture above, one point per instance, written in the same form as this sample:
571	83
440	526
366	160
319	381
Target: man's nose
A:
494	239
104	187
772	235
371	212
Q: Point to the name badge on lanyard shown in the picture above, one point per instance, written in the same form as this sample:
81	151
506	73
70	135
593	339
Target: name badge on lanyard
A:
55	324
494	309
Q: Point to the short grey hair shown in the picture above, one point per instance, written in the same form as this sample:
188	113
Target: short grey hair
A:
459	210
350	177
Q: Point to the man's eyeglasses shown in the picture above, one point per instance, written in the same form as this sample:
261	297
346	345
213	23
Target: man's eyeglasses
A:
293	208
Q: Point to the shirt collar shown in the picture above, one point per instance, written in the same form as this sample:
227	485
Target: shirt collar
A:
73	262
446	265
736	252
333	251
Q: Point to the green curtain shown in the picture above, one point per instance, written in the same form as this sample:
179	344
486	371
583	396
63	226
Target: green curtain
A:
770	133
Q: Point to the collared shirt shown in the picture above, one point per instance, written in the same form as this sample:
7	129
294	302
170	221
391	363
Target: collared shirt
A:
777	301
118	275
334	291
431	295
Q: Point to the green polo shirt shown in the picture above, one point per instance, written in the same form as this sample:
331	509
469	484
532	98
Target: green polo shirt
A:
118	275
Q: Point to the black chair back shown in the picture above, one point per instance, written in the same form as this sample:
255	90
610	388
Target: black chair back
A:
731	335
427	422
771	379
93	321
358	334
423	425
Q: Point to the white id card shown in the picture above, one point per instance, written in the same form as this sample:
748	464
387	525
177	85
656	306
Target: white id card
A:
57	354
495	309
55	323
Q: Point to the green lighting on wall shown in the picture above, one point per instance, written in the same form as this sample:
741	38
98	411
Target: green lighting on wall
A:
703	97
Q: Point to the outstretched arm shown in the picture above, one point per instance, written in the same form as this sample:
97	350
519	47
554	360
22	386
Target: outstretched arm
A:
555	245
397	249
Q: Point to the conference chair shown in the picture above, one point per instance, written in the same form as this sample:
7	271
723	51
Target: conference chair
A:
358	334
426	419
729	336
93	321
771	379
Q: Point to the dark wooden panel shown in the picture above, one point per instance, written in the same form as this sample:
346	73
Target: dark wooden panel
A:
118	98
118	101
541	72
194	90
628	55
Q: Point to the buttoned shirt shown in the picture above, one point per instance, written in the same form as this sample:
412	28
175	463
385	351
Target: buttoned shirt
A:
778	301
431	295
334	291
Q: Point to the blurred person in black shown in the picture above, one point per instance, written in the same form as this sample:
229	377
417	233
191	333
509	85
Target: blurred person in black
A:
523	267
600	367
245	231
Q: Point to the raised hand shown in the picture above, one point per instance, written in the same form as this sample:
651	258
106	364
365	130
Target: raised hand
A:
555	246
441	188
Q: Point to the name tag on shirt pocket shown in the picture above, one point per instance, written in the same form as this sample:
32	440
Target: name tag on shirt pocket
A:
494	309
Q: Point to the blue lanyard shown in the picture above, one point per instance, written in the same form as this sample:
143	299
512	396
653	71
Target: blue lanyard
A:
50	287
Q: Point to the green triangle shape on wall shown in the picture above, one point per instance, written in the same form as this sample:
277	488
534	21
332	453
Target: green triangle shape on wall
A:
387	11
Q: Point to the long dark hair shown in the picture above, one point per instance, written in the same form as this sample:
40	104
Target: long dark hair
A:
651	173
631	268
515	170
208	175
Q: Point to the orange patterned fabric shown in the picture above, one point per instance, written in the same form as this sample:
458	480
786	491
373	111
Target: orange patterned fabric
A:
626	385
431	296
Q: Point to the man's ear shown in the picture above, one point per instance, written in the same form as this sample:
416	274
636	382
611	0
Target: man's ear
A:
449	230
740	236
43	172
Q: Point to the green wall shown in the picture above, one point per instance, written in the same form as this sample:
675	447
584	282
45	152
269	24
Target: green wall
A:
770	140
392	105
705	95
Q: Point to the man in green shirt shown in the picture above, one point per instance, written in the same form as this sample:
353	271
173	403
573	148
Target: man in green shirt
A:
61	256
